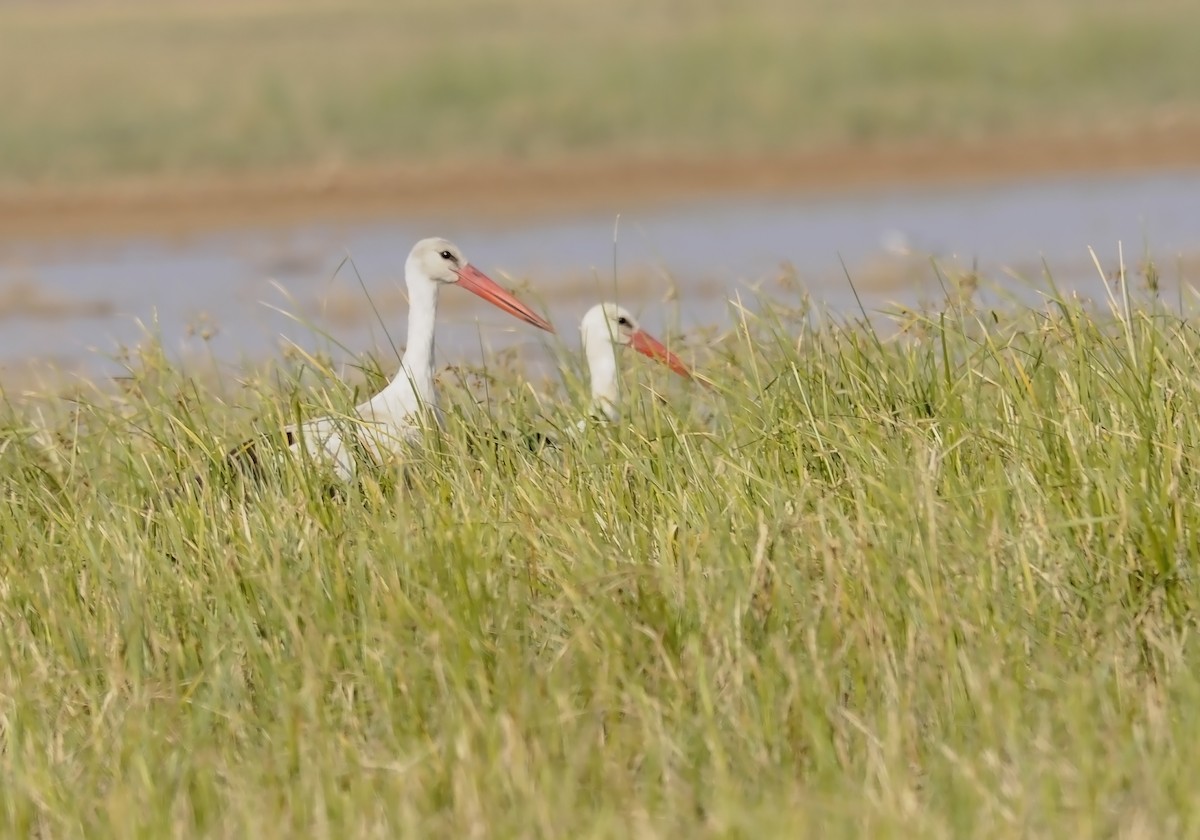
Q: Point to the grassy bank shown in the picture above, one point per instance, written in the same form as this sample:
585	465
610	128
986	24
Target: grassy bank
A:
97	91
938	585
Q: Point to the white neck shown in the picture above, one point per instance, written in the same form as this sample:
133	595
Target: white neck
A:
418	352
412	387
601	357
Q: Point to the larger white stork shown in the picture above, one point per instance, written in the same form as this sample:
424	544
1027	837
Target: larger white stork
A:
393	417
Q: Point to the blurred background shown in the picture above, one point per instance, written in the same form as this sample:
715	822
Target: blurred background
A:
229	175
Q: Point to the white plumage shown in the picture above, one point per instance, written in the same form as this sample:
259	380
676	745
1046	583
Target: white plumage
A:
604	328
394	416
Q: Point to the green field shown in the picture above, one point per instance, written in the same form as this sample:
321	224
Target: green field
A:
93	91
931	585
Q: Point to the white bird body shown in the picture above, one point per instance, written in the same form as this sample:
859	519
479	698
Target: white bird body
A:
604	328
396	415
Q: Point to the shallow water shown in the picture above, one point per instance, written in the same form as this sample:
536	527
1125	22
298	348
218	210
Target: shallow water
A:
709	250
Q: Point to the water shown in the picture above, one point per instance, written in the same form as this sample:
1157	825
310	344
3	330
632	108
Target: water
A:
710	250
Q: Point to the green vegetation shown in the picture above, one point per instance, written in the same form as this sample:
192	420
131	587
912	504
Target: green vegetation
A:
937	584
92	91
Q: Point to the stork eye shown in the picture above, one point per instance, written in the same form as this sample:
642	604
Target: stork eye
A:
624	322
446	255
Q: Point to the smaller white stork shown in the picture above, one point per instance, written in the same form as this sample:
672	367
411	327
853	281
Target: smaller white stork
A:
604	328
393	417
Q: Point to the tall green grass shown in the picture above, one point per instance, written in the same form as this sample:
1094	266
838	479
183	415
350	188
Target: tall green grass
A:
938	583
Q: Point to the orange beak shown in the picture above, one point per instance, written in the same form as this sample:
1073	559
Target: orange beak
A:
474	280
650	347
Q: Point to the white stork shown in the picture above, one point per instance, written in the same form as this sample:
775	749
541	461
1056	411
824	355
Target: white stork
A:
393	417
604	328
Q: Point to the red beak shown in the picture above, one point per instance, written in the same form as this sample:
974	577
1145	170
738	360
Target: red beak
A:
649	346
474	280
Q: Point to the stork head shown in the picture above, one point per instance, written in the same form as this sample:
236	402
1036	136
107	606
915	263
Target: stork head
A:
615	324
440	261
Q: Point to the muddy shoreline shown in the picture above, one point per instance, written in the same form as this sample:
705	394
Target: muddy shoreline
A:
518	192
